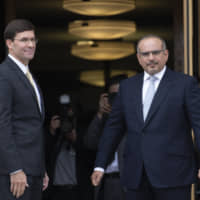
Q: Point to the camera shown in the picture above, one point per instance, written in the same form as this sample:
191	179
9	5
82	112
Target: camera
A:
111	97
67	116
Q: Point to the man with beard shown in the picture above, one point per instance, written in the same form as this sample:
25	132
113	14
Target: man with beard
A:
158	109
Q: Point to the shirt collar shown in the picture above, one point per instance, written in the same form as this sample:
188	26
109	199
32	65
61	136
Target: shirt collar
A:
158	75
23	67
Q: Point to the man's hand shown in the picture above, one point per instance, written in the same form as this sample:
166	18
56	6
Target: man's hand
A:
54	124
71	136
104	106
198	174
96	177
45	181
18	183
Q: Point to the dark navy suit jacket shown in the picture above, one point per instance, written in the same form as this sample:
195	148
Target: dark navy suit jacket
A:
21	123
162	145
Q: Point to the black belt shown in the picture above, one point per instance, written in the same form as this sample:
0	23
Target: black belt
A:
112	175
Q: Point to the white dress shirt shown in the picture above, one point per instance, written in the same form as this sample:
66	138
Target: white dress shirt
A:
146	81
113	166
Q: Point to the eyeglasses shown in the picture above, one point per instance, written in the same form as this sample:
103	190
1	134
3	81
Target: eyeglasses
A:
27	40
154	53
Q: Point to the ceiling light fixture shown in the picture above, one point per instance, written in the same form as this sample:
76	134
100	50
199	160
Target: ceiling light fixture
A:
102	51
96	77
102	29
99	7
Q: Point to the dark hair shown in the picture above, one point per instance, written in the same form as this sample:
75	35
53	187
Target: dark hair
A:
164	46
17	26
116	79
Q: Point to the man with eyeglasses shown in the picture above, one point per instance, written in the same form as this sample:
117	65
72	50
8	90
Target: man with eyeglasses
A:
22	170
158	109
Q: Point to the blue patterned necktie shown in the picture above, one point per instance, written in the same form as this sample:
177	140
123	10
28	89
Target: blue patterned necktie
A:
149	96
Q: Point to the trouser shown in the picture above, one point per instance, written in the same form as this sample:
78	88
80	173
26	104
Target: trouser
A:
65	192
112	189
147	192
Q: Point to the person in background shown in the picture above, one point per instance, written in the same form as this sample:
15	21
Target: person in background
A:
61	153
51	137
110	187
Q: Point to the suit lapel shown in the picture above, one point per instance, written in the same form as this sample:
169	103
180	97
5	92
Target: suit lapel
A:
26	82
162	91
137	95
41	98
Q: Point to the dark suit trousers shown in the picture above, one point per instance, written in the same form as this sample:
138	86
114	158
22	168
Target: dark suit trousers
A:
33	192
112	189
147	192
64	193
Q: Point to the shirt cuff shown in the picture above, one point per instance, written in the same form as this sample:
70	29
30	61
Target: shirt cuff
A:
99	169
15	172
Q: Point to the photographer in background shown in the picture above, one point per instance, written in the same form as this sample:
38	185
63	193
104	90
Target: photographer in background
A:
62	156
51	136
110	187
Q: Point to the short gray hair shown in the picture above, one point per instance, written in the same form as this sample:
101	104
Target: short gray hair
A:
164	45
